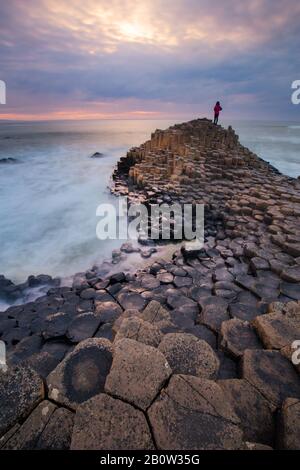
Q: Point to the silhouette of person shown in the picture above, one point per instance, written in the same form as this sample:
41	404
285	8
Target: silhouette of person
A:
217	110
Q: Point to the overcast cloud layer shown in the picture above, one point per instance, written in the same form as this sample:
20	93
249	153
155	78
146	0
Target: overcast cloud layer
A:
149	58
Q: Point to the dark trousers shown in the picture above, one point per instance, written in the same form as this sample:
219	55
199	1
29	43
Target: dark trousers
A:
216	119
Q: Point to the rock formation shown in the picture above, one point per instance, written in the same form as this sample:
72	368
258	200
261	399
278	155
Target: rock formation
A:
193	353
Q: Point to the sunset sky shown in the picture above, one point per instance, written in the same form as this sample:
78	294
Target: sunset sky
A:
72	59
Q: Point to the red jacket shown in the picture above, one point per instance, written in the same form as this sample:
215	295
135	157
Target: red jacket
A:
217	109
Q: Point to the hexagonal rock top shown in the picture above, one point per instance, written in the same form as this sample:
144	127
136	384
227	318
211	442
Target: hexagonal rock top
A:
271	374
189	355
82	373
139	330
106	423
254	411
238	335
21	389
193	414
138	373
276	330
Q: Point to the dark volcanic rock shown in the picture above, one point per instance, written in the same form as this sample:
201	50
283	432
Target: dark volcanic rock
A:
238	335
26	437
255	412
105	423
138	373
289	425
107	312
82	373
57	433
82	327
139	330
21	389
189	355
193	413
271	374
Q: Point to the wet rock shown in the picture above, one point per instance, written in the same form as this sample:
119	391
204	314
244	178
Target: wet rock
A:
130	300
150	282
243	311
82	327
138	373
193	413
255	412
82	373
289	425
177	300
57	433
88	294
214	312
202	332
42	362
25	348
165	278
271	374
21	390
238	335
117	277
139	330
180	281
257	263
290	290
106	423
57	325
189	355
291	274
106	331
57	349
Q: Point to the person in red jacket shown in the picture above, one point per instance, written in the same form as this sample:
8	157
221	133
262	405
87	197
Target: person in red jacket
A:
217	110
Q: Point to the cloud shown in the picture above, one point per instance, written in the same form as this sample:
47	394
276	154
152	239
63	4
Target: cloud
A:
115	58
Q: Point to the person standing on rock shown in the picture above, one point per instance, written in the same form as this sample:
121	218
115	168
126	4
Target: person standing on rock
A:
217	110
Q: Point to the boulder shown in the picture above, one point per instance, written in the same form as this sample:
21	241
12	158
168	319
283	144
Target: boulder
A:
189	355
82	373
21	390
138	373
106	423
194	414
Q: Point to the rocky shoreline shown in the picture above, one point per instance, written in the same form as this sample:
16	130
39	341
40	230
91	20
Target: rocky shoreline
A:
191	353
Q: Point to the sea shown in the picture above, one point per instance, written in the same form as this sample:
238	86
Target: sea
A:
50	192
